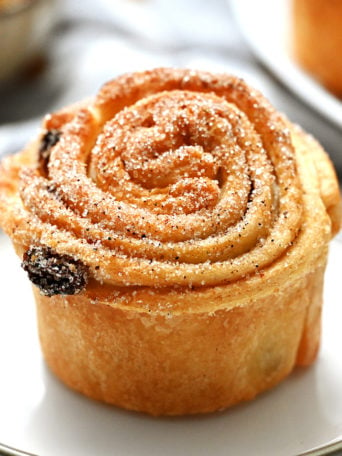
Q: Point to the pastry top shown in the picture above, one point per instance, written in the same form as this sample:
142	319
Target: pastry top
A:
172	178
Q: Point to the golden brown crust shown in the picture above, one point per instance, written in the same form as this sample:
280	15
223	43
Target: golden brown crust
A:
204	218
317	40
180	364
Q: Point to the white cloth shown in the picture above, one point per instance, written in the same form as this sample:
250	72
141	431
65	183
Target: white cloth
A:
94	41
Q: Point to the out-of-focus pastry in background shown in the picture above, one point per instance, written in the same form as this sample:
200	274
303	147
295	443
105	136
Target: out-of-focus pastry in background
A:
317	40
24	28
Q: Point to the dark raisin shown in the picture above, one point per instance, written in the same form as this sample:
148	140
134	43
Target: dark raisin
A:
54	274
50	138
51	187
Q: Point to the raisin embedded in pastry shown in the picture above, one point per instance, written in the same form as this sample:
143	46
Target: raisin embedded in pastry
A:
49	139
53	273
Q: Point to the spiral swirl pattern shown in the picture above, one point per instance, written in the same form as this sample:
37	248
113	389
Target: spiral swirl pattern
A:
167	178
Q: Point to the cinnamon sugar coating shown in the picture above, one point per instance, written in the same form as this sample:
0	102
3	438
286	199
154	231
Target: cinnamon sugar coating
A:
167	177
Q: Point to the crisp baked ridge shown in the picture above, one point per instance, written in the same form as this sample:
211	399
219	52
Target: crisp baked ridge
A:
203	217
317	40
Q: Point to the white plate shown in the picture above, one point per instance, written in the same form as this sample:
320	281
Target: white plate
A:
41	416
266	27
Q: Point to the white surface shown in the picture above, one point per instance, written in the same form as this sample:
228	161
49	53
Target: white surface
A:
39	415
267	29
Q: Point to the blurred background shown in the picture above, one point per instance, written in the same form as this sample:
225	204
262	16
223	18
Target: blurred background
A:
55	52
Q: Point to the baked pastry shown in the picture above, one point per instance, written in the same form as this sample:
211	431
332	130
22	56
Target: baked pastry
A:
176	228
317	40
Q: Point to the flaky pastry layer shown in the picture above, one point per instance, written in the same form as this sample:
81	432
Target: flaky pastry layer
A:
200	219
